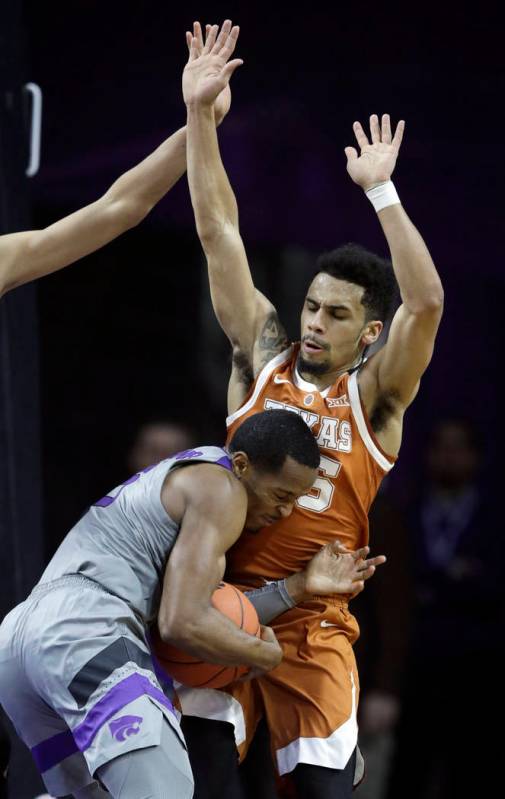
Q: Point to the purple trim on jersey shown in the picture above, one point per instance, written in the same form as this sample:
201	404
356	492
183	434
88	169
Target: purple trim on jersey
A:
188	453
51	751
120	695
225	461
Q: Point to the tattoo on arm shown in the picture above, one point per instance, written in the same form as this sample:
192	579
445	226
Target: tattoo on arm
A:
272	339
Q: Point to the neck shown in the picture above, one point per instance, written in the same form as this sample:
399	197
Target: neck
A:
322	381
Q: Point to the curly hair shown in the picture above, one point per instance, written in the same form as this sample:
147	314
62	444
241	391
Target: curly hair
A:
355	264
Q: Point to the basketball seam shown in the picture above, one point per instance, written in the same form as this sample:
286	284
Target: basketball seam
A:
239	598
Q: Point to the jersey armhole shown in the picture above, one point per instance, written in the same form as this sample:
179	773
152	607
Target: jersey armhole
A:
259	384
386	462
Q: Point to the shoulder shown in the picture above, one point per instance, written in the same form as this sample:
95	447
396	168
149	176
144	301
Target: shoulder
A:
205	486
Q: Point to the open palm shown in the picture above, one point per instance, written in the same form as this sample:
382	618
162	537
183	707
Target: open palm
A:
337	570
377	159
208	71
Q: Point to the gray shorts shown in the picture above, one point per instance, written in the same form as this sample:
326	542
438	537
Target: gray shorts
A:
78	682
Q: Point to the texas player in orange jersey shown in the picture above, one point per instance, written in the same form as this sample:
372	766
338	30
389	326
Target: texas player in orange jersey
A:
355	407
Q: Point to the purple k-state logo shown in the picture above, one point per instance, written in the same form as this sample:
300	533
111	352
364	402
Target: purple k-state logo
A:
122	728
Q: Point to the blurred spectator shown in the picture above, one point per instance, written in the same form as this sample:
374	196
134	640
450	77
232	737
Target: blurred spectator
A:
445	742
156	440
382	610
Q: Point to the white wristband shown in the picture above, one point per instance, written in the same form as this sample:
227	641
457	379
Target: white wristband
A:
383	195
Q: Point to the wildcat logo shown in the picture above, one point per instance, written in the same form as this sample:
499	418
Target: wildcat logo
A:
338	402
122	728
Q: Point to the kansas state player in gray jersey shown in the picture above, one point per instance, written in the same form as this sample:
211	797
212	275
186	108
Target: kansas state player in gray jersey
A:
76	675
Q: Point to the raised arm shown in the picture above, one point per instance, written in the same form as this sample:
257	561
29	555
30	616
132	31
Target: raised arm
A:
246	316
196	565
32	254
393	374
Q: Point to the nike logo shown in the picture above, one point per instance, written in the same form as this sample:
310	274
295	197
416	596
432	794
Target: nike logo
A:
325	623
279	379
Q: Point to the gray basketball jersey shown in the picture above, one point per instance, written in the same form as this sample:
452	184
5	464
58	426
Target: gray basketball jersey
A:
124	539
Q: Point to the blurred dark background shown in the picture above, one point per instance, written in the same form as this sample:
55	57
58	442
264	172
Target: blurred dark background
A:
127	335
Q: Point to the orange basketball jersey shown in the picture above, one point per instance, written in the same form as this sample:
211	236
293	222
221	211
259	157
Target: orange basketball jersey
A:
352	467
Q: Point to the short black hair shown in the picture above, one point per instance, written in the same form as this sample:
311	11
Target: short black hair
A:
357	265
269	437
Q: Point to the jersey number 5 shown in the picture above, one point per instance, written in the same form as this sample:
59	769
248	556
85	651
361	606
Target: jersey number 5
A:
321	492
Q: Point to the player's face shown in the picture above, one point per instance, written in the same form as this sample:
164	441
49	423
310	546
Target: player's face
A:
272	497
334	327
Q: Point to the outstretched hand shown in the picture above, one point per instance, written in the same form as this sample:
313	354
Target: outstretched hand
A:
337	570
207	74
377	160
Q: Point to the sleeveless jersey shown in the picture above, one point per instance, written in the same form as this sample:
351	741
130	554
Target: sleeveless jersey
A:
352	467
124	540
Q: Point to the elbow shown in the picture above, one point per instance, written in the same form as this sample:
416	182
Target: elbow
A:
126	213
132	213
432	304
178	629
213	227
210	231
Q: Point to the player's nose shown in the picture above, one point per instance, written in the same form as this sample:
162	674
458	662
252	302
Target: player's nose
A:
316	321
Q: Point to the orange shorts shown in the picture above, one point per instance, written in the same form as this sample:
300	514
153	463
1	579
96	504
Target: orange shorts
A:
309	701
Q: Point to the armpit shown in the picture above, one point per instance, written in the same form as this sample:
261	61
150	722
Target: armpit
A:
242	367
385	407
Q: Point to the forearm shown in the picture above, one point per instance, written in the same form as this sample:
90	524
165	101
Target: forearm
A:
277	597
145	184
212	197
215	639
418	280
33	254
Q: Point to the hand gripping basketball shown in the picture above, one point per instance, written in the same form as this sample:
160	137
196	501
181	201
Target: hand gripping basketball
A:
191	671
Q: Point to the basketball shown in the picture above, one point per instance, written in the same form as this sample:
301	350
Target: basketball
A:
196	673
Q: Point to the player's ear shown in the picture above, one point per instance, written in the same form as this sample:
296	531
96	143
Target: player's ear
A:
241	463
371	333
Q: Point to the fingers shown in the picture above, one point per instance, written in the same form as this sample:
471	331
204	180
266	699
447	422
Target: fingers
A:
377	561
230	43
360	135
375	132
361	553
222	38
230	68
211	38
197	33
378	133
351	154
399	134
193	47
386	129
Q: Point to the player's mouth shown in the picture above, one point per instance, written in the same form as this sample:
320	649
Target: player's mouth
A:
312	347
267	520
